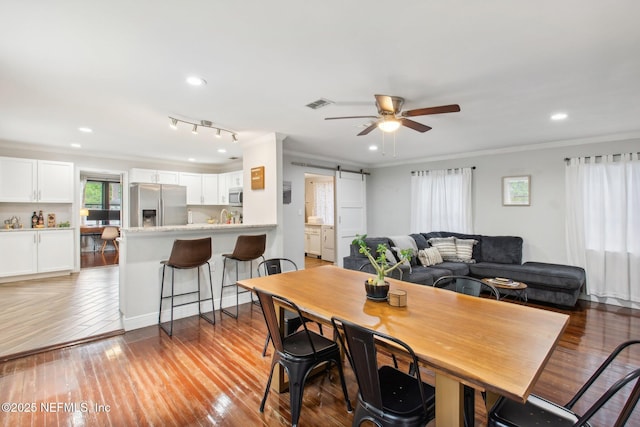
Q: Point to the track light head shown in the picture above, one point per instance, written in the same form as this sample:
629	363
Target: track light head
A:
195	129
234	137
218	133
174	123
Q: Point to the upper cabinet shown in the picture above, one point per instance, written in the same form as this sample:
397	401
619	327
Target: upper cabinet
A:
153	176
28	180
202	189
227	181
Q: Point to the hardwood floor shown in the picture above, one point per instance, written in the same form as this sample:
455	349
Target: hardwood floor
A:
215	375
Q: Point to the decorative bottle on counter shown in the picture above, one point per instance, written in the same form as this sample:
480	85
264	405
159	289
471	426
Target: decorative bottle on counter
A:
40	220
34	219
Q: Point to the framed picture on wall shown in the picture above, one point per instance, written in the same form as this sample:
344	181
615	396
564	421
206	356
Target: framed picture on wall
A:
516	190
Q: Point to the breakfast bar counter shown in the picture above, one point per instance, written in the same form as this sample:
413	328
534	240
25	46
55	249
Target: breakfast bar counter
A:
143	248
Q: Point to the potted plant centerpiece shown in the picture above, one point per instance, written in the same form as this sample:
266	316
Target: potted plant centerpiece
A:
377	287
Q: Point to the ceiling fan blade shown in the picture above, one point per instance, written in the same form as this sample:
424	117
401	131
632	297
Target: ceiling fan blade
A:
453	108
351	117
389	104
415	125
371	127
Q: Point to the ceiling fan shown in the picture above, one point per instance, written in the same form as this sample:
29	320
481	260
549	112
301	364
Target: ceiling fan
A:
390	115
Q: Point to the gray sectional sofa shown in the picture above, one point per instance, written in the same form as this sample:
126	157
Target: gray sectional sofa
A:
493	256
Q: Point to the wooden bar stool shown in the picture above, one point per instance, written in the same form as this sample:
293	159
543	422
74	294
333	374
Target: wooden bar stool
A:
187	254
248	248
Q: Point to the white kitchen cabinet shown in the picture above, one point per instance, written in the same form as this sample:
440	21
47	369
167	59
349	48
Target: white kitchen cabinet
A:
193	182
210	194
19	253
29	180
328	238
313	240
225	182
55	250
202	189
31	252
153	176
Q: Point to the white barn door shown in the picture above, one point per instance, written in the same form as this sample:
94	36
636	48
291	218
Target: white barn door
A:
351	204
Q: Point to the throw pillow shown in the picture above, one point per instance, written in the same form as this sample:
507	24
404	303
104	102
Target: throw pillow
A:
406	242
429	256
446	246
391	259
464	248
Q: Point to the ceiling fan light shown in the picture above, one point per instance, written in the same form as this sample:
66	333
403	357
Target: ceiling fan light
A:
389	125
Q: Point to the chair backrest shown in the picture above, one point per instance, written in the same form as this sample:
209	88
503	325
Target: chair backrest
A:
394	274
110	233
190	253
269	311
361	349
276	266
249	247
466	285
632	398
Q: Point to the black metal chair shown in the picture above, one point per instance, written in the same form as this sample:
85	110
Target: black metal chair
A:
467	285
247	249
186	254
291	320
394	274
474	287
297	353
537	411
386	395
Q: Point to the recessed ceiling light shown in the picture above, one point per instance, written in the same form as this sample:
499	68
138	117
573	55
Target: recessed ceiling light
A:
559	116
196	81
373	147
85	129
191	159
221	150
75	145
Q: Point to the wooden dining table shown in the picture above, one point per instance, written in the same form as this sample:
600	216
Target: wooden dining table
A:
493	346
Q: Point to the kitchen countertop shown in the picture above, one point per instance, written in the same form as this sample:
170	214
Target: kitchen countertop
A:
195	227
37	229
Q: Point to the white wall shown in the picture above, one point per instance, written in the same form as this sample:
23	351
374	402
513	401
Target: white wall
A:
541	225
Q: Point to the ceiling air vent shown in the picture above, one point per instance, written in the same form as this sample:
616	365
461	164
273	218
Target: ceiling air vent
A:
315	105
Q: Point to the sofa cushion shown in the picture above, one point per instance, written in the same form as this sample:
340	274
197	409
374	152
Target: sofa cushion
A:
424	275
446	246
534	273
501	249
421	242
456	268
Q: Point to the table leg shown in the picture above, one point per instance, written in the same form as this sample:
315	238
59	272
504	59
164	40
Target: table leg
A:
449	402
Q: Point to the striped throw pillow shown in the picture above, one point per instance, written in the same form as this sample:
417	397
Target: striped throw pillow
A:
464	248
446	246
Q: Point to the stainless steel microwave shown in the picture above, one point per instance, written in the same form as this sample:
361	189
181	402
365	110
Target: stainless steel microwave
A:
235	196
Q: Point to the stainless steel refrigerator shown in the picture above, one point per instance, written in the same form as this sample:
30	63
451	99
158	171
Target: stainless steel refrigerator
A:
154	205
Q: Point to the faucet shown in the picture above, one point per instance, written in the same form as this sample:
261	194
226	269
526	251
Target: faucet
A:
223	216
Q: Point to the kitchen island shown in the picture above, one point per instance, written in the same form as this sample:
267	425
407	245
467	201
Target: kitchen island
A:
143	248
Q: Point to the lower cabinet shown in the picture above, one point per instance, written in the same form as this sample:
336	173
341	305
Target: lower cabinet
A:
37	251
313	242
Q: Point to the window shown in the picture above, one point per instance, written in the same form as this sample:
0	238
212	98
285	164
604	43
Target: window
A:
103	199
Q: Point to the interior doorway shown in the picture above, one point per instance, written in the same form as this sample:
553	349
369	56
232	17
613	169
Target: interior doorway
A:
319	219
100	208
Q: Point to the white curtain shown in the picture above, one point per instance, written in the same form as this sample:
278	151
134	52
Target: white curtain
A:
441	201
323	200
603	223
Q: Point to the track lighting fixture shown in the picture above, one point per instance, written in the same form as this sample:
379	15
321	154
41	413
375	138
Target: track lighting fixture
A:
203	124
